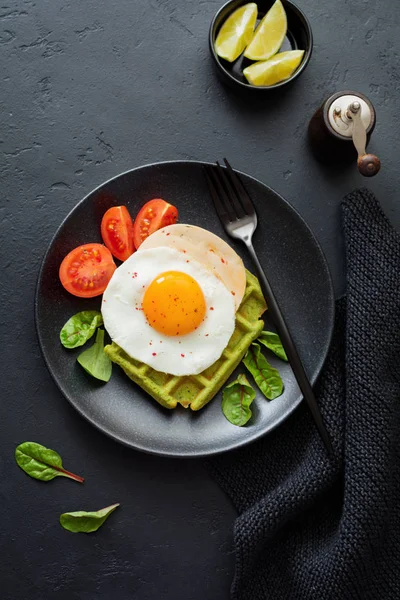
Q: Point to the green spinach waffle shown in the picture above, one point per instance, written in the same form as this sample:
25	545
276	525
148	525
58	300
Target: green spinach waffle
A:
197	390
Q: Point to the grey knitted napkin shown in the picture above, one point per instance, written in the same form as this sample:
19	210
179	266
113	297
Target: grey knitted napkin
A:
314	528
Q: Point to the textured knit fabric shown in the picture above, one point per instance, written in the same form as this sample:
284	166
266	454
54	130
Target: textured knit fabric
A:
314	528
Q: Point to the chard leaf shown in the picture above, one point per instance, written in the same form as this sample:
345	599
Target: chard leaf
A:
95	361
236	400
86	522
272	341
80	328
266	377
41	463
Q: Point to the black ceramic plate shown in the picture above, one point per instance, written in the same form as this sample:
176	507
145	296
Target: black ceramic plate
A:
293	261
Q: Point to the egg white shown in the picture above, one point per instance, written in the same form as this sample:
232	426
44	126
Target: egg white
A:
127	326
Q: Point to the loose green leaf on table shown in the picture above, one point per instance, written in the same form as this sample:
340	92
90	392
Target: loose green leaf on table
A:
272	341
266	377
86	522
41	463
95	361
80	328
236	400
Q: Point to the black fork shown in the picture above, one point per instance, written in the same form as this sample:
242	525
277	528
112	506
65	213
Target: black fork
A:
239	219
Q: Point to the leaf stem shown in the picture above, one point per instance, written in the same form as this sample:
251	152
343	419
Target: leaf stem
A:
69	474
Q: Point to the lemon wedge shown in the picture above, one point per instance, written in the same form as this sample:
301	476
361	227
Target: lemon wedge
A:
269	35
236	32
276	69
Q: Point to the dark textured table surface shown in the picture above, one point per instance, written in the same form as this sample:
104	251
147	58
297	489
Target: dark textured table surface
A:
88	90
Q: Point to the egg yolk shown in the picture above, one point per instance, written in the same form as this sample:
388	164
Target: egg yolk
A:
174	303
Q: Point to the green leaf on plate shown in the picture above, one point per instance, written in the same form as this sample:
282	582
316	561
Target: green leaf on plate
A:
41	463
80	328
266	377
86	522
272	341
236	400
95	361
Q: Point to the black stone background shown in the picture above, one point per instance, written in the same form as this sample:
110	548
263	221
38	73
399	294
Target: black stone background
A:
89	89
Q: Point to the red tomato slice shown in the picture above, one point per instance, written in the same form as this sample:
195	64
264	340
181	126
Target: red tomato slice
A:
86	270
117	232
154	215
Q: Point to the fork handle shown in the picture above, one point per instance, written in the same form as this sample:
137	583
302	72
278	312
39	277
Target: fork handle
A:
290	348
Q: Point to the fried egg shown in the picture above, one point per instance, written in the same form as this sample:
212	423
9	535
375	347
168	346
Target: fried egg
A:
208	249
168	311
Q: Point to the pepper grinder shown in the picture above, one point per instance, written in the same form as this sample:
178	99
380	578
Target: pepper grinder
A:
341	129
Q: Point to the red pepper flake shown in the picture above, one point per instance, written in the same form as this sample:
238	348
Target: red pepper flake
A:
183	356
104	300
184	251
150	343
188	261
154	354
207	334
143	286
222	260
211	308
233	293
167	234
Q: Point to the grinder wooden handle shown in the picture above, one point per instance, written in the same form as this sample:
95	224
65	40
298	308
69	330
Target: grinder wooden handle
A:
368	165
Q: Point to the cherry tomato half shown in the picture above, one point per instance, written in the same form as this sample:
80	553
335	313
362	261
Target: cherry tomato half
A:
86	270
117	232
154	215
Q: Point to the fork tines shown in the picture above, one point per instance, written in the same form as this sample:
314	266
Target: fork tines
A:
229	196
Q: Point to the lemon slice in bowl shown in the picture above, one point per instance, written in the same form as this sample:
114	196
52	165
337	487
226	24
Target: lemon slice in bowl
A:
236	32
276	69
269	35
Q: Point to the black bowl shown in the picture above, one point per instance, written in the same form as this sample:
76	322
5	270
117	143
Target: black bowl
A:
298	37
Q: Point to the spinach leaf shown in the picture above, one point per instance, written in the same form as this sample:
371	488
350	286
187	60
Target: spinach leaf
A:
273	342
80	328
95	361
41	463
236	400
86	522
266	377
